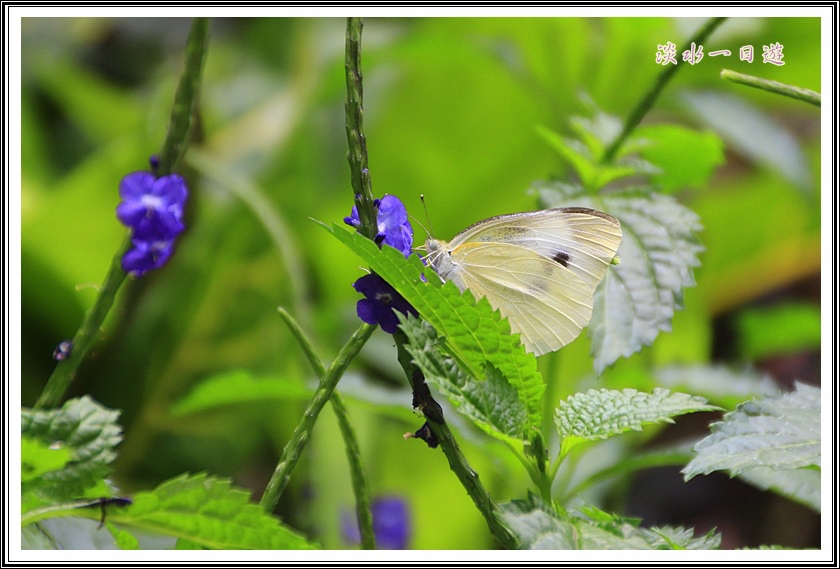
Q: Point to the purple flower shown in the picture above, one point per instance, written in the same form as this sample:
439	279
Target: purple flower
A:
392	225
380	302
146	256
154	209
394	229
391	524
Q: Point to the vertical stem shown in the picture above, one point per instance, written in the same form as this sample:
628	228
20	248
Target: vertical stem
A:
351	444
186	98
294	448
356	143
65	371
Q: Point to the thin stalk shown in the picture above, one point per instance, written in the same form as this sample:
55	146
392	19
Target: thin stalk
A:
186	98
65	371
791	91
647	102
357	144
294	448
351	443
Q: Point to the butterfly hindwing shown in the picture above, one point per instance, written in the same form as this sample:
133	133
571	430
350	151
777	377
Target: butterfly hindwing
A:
543	300
540	268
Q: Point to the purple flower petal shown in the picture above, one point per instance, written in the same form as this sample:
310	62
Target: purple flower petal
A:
136	185
380	302
391	524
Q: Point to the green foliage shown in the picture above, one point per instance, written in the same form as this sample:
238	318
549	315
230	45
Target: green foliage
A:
82	427
602	413
200	511
235	388
539	526
208	378
683	158
721	385
773	443
474	333
493	404
209	512
658	252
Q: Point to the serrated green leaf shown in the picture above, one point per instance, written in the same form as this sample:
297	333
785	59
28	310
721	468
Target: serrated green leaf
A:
210	512
235	388
801	486
584	156
85	428
124	539
535	525
685	158
658	252
599	530
38	458
780	433
474	333
492	404
602	413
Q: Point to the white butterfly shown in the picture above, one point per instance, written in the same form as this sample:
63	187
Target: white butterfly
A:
538	268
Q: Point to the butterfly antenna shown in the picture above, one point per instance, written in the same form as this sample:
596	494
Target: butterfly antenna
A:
426	210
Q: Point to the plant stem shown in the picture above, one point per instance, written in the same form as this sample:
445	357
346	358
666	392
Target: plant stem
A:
357	144
186	98
186	101
457	461
650	97
351	444
294	448
772	86
65	371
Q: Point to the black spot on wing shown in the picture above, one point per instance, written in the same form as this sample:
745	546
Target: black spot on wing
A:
562	257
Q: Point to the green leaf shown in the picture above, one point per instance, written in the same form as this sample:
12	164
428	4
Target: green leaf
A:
719	384
473	333
779	330
584	156
777	433
210	512
492	404
600	530
86	429
38	458
535	524
124	539
752	133
638	297
235	388
538	526
685	158
801	486
602	413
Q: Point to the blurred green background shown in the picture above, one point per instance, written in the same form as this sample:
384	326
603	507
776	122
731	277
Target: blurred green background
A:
451	110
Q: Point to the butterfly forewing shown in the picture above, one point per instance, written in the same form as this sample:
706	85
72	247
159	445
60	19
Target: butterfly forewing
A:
582	239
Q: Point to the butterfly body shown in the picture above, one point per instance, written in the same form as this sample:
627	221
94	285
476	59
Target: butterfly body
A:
539	269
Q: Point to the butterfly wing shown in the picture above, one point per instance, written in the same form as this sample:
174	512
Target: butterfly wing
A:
540	269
